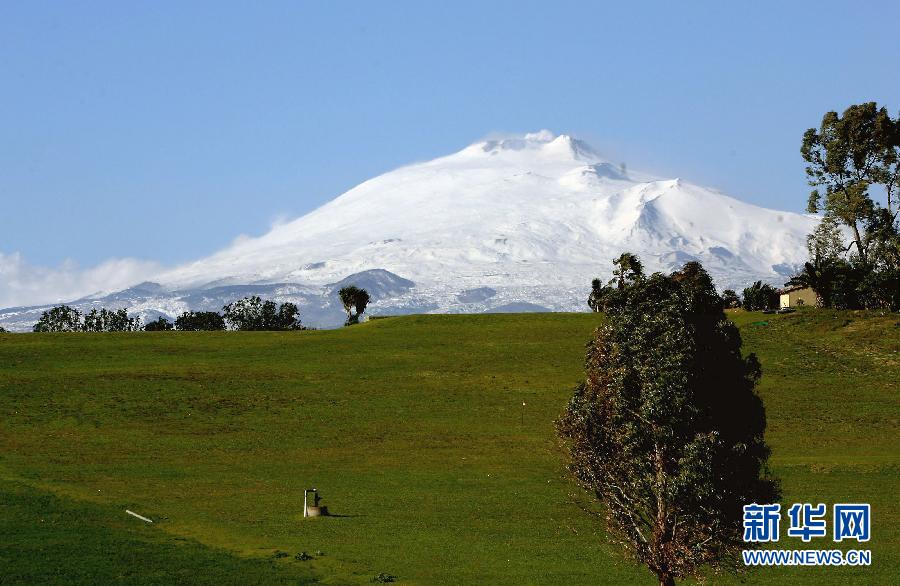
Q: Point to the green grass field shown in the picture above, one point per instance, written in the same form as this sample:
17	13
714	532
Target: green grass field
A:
414	431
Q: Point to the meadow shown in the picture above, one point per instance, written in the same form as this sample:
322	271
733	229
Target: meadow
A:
430	438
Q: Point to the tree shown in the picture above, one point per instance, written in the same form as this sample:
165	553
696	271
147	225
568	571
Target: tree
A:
846	155
249	313
289	317
760	296
629	270
161	324
881	290
254	314
730	299
353	298
595	299
825	242
826	249
883	234
3	330
667	430
62	318
105	320
191	321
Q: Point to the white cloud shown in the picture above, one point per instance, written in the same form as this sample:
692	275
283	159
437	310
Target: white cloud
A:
24	284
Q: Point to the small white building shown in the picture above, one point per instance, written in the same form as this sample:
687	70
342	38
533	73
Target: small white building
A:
797	296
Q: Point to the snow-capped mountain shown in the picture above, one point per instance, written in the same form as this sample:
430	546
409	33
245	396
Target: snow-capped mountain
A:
515	224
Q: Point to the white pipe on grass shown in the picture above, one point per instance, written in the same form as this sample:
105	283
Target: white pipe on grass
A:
133	514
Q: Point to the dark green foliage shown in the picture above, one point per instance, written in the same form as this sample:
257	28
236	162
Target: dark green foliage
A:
254	314
59	319
881	289
595	299
161	324
354	301
628	271
730	299
105	320
303	556
197	321
68	319
384	578
2	330
760	296
667	429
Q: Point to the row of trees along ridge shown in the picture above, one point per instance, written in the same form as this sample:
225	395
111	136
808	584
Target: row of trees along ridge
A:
247	314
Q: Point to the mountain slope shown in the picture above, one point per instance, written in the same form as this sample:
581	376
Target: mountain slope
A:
532	219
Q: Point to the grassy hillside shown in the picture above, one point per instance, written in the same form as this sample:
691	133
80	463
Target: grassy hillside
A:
414	431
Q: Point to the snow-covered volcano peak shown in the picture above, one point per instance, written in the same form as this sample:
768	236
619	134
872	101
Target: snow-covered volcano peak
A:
526	219
535	147
530	209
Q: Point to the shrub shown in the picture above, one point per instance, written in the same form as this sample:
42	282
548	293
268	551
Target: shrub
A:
191	321
730	299
760	296
161	324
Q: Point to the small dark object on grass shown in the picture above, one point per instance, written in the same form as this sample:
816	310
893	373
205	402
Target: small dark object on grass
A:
280	554
787	310
303	556
383	578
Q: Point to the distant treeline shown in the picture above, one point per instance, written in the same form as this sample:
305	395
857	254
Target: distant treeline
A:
247	314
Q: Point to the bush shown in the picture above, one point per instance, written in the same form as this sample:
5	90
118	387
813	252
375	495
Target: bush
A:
730	299
881	290
760	296
160	325
191	321
383	578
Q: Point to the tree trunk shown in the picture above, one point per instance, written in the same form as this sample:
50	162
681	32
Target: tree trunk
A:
666	579
859	246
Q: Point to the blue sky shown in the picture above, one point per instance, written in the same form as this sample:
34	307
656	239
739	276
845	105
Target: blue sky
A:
164	130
